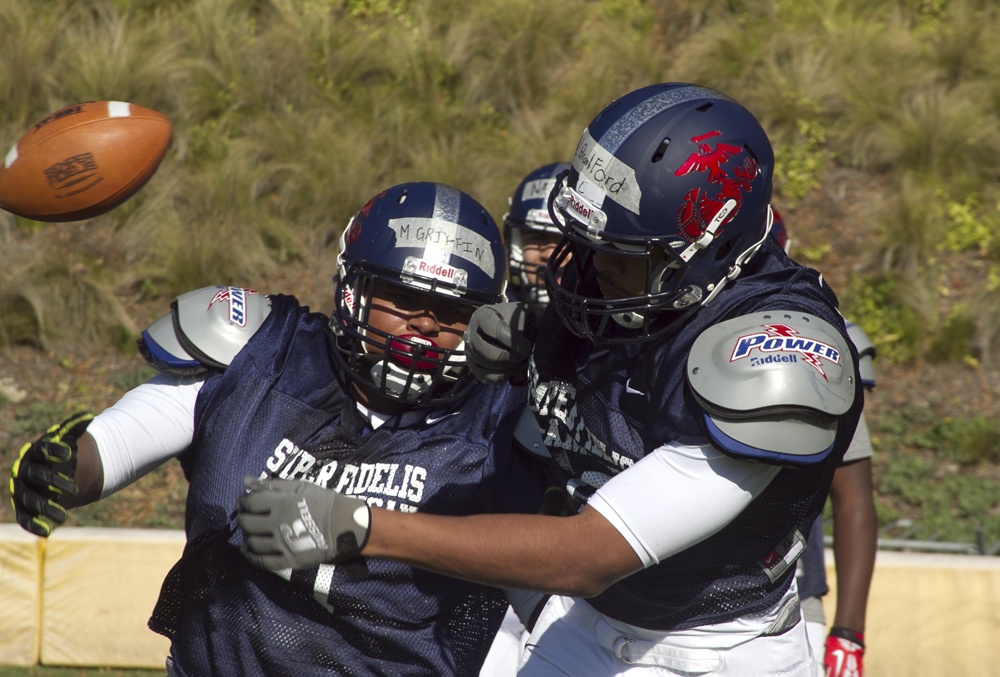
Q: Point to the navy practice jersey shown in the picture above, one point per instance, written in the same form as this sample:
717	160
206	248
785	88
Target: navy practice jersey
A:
602	408
279	411
811	570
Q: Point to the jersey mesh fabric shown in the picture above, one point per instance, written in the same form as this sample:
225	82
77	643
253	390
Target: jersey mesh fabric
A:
268	414
622	402
811	571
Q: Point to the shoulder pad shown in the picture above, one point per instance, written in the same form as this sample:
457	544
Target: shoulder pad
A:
161	348
204	329
772	385
866	353
528	436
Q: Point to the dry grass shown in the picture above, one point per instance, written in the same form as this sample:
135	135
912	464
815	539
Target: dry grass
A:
288	114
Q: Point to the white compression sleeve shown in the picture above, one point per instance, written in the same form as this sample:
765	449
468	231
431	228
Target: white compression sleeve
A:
147	426
678	496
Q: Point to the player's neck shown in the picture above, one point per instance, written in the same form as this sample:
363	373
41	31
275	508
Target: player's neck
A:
378	403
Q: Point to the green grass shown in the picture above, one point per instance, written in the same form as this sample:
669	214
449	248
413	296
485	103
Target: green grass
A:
289	114
937	473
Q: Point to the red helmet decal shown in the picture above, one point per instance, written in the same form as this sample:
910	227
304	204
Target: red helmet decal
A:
354	227
368	205
699	207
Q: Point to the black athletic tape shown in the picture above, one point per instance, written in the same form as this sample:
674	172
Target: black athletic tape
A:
841	632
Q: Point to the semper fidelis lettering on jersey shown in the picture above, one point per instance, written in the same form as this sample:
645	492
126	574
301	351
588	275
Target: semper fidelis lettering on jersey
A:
393	486
555	402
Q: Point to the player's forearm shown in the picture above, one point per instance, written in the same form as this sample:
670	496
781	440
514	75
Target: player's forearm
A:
855	563
89	475
556	555
855	538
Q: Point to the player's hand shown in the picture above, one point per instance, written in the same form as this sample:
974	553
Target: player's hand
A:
296	524
844	650
498	342
43	473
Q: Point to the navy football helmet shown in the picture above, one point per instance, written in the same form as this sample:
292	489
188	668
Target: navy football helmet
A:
426	237
528	215
678	178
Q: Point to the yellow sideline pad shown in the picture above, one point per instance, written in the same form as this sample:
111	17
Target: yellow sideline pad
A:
82	598
930	615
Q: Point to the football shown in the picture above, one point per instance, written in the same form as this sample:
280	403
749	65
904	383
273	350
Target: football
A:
83	160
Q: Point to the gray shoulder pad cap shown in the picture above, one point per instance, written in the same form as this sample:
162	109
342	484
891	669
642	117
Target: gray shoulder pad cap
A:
528	435
866	353
205	329
161	348
772	385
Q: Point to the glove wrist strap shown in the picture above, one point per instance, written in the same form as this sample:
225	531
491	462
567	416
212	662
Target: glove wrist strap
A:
846	633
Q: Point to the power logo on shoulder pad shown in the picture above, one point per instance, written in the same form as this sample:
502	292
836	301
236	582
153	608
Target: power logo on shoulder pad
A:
780	338
237	298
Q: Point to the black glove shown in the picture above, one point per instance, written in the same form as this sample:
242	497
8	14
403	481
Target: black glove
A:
43	473
296	524
498	342
558	502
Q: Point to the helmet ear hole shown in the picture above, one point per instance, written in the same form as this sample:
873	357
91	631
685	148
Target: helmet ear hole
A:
723	252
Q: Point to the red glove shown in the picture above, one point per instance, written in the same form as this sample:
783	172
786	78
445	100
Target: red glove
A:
844	649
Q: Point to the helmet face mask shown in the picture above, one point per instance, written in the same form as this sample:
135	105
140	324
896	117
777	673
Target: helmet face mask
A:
675	177
406	366
531	235
637	306
417	253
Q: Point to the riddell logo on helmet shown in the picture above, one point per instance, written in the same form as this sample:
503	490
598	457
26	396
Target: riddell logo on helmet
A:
581	210
438	270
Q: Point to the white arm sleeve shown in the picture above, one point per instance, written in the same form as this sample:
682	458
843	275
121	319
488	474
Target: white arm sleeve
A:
678	496
147	426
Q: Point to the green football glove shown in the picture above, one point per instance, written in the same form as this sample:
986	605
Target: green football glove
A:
43	473
296	524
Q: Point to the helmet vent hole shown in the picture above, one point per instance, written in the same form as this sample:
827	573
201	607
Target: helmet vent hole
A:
661	150
402	198
704	107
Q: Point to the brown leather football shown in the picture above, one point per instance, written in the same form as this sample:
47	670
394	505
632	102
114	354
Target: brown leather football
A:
83	160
